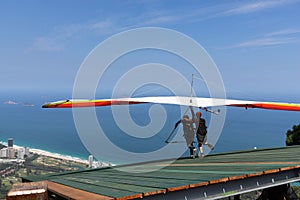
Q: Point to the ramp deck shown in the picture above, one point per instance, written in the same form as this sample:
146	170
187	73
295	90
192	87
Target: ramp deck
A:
215	176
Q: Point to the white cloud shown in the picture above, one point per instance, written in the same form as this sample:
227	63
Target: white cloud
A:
266	42
280	37
59	38
285	32
161	20
28	104
254	7
101	25
45	44
11	102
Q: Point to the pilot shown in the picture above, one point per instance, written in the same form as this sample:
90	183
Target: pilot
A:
189	133
201	133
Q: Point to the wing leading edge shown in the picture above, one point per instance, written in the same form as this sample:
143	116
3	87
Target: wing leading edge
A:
174	100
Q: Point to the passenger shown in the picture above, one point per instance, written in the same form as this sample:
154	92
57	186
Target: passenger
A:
201	133
189	134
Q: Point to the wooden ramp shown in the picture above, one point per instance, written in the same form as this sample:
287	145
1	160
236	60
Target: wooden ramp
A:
215	176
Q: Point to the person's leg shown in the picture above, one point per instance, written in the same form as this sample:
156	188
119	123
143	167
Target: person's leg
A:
191	151
208	144
200	139
201	151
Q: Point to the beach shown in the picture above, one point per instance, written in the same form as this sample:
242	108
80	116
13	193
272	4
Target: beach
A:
41	152
57	156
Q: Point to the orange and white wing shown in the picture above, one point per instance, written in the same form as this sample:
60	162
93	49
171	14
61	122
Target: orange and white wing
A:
174	100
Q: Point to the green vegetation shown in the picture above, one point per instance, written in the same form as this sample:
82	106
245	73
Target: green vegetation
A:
11	173
297	190
293	136
2	146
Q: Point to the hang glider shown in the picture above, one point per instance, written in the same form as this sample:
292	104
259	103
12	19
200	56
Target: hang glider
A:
174	100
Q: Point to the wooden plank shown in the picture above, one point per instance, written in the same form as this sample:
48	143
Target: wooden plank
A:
163	191
255	174
219	180
183	187
130	185
101	190
73	193
288	168
130	189
271	171
153	179
200	184
142	181
157	175
134	196
237	177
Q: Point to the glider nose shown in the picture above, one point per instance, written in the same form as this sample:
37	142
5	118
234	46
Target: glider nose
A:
47	105
58	104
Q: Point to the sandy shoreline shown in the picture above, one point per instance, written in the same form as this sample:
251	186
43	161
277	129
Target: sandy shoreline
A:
50	154
57	155
60	156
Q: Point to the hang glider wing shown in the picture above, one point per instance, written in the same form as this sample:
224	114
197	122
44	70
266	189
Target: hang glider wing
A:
175	100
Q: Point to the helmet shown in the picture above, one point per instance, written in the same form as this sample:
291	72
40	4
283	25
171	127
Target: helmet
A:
186	116
198	114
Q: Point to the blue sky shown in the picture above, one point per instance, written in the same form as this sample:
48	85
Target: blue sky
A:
255	44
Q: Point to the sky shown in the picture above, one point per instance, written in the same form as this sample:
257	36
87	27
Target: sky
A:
255	44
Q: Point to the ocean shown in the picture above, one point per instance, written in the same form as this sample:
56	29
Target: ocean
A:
53	130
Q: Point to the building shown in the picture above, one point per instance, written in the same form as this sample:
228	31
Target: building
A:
21	153
11	152
27	153
36	190
91	161
4	153
10	142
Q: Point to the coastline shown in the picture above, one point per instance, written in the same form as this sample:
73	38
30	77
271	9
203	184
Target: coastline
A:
61	156
57	156
50	154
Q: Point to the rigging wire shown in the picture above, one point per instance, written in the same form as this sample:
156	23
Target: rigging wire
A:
176	125
192	84
232	91
187	109
178	122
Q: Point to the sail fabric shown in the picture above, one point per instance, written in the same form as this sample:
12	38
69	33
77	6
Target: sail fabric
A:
174	100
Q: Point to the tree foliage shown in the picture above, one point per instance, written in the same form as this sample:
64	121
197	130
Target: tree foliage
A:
2	146
293	136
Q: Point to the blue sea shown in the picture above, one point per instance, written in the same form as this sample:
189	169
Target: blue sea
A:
23	119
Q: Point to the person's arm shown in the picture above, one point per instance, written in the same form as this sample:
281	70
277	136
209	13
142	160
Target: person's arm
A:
177	123
193	113
204	123
169	136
